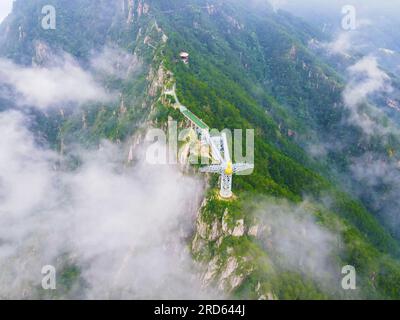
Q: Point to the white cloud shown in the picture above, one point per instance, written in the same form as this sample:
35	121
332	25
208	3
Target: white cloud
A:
278	4
60	83
377	174
297	241
365	80
124	228
341	45
114	61
346	43
5	8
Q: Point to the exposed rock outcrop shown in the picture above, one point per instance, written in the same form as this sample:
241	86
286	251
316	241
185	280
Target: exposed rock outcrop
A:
227	269
136	8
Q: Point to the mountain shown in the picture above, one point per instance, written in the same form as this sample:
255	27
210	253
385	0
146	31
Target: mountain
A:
307	210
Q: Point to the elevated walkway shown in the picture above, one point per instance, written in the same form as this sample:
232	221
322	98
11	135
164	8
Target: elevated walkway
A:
193	118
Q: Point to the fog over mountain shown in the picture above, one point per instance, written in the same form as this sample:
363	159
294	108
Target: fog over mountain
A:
5	8
114	224
376	20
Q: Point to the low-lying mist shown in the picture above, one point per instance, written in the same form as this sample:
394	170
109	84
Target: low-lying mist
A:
123	228
297	242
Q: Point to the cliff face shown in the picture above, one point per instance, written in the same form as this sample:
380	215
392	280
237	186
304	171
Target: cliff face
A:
228	267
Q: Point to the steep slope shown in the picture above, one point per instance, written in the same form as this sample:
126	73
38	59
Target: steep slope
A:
233	53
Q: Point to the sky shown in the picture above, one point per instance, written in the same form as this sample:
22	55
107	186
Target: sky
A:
328	5
5	8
